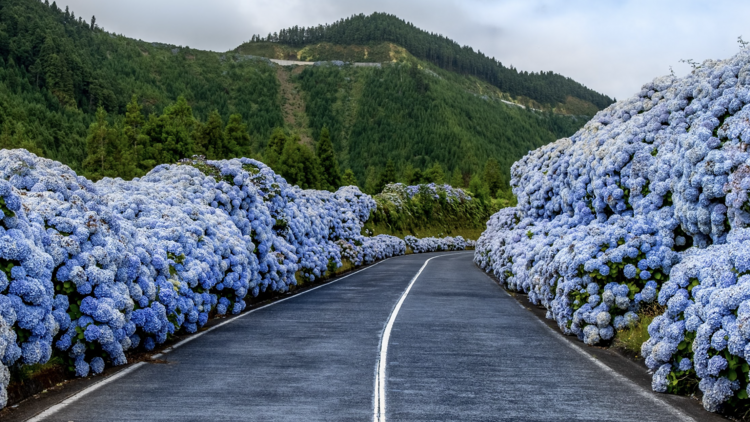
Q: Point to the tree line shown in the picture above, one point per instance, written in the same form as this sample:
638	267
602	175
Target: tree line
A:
129	146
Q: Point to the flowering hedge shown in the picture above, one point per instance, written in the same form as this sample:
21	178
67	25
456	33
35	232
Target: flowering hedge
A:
647	203
91	270
434	244
405	209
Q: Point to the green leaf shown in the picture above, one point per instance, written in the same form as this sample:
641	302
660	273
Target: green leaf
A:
742	394
732	375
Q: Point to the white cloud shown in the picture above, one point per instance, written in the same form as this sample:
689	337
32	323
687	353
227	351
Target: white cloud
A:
612	46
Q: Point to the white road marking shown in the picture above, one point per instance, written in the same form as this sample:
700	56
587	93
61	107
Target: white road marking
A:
614	374
379	398
65	403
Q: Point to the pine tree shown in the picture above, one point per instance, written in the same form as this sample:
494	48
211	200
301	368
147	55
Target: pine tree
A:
210	137
407	174
171	134
328	162
457	179
99	161
371	181
120	153
349	179
417	177
237	140
479	189
299	165
58	78
6	136
492	176
435	174
387	176
506	197
19	139
275	147
137	142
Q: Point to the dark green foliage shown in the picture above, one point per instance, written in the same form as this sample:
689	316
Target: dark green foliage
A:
275	147
328	162
209	137
479	189
56	70
348	179
236	138
102	145
543	87
298	165
413	176
171	134
492	177
134	139
372	181
435	174
457	179
376	115
400	215
387	176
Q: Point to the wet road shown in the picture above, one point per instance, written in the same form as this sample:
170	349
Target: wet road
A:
459	348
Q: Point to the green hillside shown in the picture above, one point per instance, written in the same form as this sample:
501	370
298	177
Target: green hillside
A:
547	88
56	69
415	116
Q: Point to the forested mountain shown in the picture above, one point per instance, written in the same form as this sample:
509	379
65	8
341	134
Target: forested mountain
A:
108	105
56	69
546	88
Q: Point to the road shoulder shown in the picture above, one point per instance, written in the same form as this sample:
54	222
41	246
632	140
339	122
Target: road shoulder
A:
626	367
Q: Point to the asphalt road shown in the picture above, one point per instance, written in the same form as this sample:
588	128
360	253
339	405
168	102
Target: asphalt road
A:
460	349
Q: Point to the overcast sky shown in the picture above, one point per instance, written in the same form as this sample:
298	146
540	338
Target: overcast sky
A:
612	46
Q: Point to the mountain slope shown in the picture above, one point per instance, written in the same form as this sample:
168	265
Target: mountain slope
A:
547	88
372	114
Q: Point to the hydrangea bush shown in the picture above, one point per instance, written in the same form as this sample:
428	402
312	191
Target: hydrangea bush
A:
405	209
92	270
434	244
647	203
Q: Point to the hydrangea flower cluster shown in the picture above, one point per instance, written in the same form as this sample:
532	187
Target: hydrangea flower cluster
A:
433	190
705	330
649	200
93	270
382	246
399	194
434	244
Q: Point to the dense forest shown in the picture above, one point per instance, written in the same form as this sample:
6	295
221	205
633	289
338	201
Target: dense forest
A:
110	106
371	114
56	69
544	87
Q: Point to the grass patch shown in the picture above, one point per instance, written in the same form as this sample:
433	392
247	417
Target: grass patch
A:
346	265
19	374
631	339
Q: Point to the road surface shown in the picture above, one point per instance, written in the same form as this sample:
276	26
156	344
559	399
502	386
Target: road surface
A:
459	348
